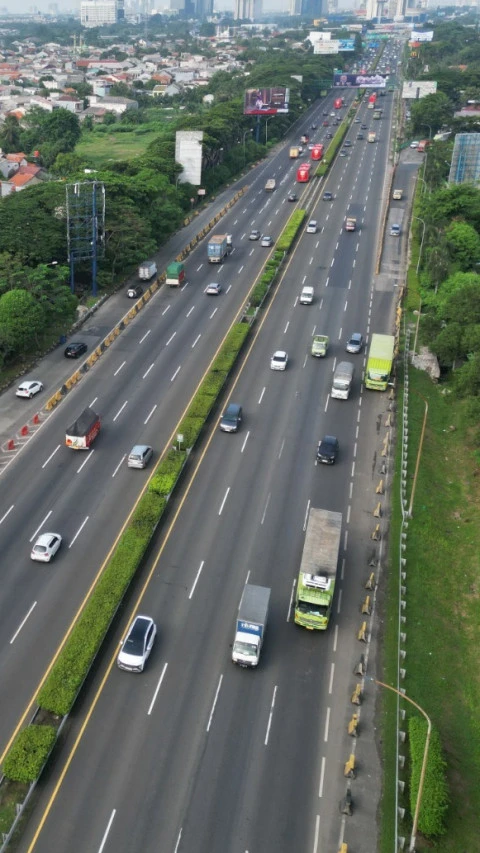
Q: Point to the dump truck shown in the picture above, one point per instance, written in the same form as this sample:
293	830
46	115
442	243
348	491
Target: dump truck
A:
270	185
318	569
175	274
294	152
147	270
217	248
319	345
251	625
380	361
350	223
342	380
81	434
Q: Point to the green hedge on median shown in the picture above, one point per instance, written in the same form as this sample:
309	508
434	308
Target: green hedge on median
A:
434	805
26	759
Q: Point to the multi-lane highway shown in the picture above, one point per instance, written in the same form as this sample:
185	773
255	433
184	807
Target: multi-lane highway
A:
195	754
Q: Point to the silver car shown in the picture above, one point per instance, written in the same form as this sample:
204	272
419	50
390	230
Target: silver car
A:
355	343
139	456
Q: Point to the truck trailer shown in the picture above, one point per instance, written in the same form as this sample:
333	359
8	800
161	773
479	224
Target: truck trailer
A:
147	270
217	248
380	361
251	625
81	434
318	569
175	274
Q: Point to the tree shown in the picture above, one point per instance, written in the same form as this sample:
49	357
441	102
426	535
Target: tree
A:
21	323
448	343
463	244
33	224
10	135
431	113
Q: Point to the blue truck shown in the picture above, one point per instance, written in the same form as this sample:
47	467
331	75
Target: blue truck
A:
217	248
251	625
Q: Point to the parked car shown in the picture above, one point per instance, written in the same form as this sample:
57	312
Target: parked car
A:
46	547
327	450
29	389
138	644
355	343
213	289
75	350
279	360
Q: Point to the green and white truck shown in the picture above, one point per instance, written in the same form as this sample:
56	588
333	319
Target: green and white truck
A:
318	569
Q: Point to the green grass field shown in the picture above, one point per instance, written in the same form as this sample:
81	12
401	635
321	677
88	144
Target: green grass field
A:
100	149
442	609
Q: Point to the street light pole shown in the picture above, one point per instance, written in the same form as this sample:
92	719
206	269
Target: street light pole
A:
411	848
250	130
266	129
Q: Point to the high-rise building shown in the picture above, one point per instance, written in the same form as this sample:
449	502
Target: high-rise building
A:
465	166
311	9
247	10
203	9
99	13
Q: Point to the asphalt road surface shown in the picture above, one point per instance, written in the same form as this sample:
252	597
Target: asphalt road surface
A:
196	754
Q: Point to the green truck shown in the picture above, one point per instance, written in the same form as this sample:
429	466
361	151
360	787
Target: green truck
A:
380	361
175	274
319	345
318	569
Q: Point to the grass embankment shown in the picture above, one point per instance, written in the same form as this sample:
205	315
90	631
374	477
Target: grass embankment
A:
100	148
442	607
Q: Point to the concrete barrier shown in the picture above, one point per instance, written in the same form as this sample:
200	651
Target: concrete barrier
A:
356	697
370	582
346	805
367	606
362	634
349	769
376	535
353	726
343	848
379	490
360	667
377	512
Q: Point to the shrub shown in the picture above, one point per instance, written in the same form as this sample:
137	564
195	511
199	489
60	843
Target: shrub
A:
28	753
431	820
167	473
190	428
147	513
202	404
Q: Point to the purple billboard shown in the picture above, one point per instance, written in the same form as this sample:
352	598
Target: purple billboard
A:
359	81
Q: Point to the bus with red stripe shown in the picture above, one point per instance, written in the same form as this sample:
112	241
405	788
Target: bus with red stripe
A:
303	173
317	152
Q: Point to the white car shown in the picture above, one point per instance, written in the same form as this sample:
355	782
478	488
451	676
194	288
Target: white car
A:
312	227
213	289
414	144
279	360
46	547
306	296
138	644
29	389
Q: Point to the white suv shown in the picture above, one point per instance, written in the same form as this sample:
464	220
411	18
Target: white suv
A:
312	227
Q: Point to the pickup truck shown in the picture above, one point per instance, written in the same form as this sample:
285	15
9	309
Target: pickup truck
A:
319	345
350	223
81	434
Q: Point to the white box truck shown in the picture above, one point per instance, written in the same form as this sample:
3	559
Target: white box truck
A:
342	380
251	625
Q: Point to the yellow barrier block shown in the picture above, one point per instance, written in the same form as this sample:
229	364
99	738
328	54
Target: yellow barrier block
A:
362	634
366	606
379	490
377	512
376	535
353	726
391	394
343	848
370	584
356	697
349	769
116	332
388	420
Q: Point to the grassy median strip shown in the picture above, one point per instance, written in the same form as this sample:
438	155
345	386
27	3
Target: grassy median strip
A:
442	610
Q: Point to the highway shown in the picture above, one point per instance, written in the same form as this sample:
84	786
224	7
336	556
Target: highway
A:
140	387
196	754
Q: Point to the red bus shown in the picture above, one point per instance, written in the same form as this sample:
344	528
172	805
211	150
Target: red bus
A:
303	173
338	103
317	152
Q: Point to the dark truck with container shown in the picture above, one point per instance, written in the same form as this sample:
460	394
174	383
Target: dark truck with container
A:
82	433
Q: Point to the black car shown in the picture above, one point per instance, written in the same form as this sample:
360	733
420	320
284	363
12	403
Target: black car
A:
314	126
292	197
329	136
328	196
325	113
135	291
75	350
363	126
360	136
327	450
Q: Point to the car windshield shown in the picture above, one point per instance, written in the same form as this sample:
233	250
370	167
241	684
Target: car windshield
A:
245	648
312	608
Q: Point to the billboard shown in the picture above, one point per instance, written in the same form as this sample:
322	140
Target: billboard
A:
315	36
415	36
266	102
418	88
364	81
326	47
346	44
188	152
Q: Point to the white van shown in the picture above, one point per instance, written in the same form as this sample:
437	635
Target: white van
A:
306	296
342	380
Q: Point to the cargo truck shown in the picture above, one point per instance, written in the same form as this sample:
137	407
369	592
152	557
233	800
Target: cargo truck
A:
318	570
217	248
147	270
350	223
342	380
371	137
251	625
320	345
380	361
81	434
175	274
270	185
294	152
